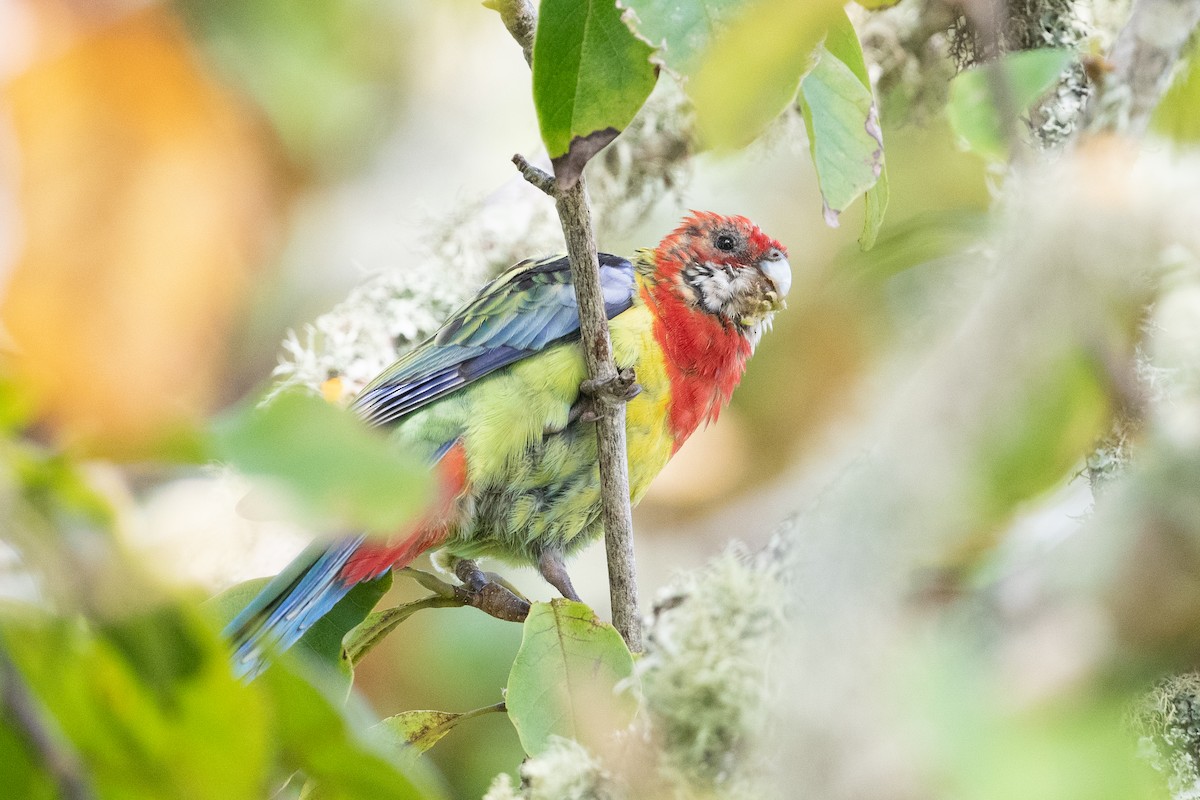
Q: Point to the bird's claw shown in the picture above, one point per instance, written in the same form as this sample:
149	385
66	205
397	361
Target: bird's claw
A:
606	393
489	593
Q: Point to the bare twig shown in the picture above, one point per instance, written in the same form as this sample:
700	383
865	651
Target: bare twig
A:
535	175
607	388
1141	62
520	18
57	756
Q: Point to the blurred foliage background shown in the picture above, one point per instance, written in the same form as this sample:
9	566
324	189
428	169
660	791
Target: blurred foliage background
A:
983	429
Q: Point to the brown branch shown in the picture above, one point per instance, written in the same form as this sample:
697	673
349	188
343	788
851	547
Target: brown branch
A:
606	386
1140	65
609	389
24	711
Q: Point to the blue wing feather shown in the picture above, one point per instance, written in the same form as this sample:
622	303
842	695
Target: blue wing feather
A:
520	313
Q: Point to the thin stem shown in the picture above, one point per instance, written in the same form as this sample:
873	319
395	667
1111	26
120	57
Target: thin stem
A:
23	709
606	386
611	449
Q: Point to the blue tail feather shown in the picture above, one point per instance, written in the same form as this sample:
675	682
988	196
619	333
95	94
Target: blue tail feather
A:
289	605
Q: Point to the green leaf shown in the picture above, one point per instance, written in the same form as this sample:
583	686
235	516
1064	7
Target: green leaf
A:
844	135
590	77
972	106
331	464
874	5
332	746
414	732
564	679
149	704
1176	117
752	71
1061	413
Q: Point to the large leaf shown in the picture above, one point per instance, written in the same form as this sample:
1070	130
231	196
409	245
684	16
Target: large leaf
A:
590	77
334	467
752	71
331	746
148	703
844	135
972	106
564	679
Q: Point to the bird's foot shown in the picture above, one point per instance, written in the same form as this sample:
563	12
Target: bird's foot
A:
551	565
603	394
489	592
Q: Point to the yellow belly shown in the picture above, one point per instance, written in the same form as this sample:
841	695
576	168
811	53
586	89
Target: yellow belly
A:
649	440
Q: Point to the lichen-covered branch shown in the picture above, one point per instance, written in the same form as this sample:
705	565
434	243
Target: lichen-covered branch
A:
1140	65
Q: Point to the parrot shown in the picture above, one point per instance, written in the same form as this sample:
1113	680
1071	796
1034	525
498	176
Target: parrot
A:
493	403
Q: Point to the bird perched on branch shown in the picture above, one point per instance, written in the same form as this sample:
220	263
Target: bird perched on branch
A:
493	400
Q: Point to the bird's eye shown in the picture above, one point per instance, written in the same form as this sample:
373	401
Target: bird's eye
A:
726	242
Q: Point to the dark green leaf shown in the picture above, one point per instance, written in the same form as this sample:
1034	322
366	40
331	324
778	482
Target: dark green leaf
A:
328	461
148	722
590	77
564	679
972	106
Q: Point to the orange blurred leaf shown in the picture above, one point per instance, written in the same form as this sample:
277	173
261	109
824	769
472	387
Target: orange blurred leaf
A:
143	199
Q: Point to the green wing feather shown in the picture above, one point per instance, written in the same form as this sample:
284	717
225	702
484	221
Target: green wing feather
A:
518	314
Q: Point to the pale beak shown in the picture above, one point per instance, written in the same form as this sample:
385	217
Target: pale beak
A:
778	271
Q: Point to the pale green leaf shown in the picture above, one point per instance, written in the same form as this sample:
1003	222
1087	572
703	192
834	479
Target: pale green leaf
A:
843	133
334	467
1178	113
972	106
590	77
564	679
752	71
681	30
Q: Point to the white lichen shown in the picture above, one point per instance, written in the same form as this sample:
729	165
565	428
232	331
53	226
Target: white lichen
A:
706	674
565	771
1167	722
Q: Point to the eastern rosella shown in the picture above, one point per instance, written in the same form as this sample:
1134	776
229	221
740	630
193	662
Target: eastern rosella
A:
493	400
